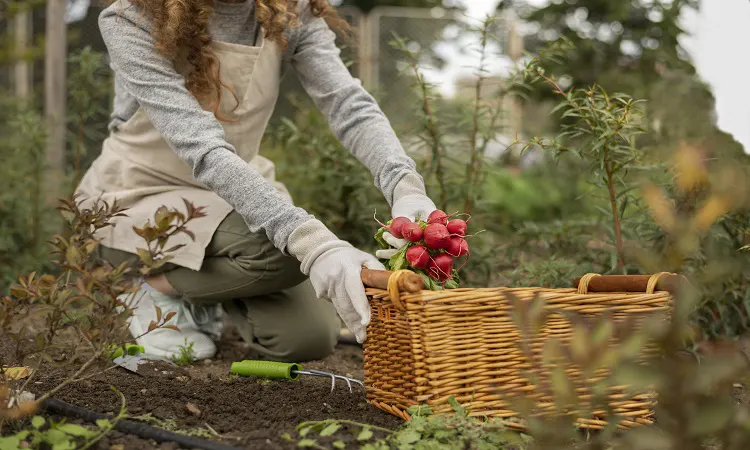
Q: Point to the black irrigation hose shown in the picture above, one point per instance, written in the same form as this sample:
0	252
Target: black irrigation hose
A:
138	429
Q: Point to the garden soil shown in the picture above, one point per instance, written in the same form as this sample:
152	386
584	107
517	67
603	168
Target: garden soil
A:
205	399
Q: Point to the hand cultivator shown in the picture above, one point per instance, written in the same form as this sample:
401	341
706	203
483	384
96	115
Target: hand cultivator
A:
286	371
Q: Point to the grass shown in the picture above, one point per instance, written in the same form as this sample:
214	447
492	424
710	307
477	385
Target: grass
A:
185	356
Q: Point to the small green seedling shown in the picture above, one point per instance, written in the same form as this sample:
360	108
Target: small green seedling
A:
186	355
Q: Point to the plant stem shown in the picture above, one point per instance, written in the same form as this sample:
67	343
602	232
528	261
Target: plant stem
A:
433	133
71	378
475	163
615	217
112	423
347	422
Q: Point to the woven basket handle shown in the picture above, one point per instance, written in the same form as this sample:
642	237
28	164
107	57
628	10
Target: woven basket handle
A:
630	283
378	279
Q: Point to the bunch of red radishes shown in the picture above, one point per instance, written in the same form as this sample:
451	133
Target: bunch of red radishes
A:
434	246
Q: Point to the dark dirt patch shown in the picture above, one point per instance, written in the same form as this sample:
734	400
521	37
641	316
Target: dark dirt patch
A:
248	412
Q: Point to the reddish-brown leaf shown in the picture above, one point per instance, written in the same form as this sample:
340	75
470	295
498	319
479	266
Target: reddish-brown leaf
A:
174	249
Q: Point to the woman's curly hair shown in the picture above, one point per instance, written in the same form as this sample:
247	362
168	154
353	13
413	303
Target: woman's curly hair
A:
180	28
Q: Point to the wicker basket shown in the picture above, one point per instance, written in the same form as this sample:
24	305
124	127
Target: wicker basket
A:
425	346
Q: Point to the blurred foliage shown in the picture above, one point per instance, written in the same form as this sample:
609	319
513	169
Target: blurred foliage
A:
633	41
89	86
367	5
697	403
601	130
9	53
708	251
26	218
633	47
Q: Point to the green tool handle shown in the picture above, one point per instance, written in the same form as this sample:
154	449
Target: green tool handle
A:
267	369
131	350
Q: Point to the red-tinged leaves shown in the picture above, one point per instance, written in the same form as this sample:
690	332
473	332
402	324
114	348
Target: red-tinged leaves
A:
82	288
145	256
174	249
189	207
19	293
140	232
162	217
87	296
158	313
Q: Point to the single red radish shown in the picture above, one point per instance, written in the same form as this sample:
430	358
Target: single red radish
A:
457	246
438	216
397	226
418	257
436	236
412	232
457	227
441	267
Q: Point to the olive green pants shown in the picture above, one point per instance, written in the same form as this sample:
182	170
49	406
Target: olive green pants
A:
263	292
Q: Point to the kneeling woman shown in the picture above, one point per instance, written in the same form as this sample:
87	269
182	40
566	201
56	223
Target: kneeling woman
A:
196	82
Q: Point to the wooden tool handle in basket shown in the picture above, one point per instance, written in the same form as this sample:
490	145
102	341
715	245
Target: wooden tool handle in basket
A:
378	279
632	283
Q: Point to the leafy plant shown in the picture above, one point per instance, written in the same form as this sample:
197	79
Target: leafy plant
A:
25	215
424	431
185	354
601	131
75	318
47	434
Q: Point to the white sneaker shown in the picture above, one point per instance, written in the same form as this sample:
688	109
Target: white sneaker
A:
166	342
209	318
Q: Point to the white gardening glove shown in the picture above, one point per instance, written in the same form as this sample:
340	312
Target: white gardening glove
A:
411	202
393	242
413	206
335	270
337	275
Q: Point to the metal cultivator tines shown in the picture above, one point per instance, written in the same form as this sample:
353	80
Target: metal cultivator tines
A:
286	371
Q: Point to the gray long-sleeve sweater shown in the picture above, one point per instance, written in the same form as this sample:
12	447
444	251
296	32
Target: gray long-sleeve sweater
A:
145	79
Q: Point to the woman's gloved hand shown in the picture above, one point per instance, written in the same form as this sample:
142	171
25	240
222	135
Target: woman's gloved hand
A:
394	242
336	274
413	206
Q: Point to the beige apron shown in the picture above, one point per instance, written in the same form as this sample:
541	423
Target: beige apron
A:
139	169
